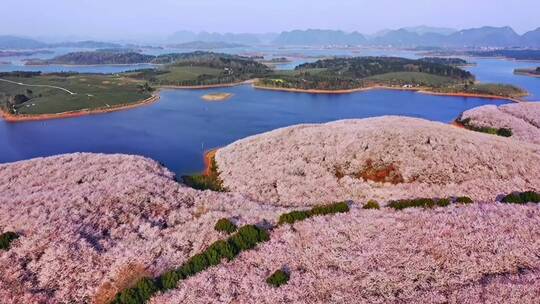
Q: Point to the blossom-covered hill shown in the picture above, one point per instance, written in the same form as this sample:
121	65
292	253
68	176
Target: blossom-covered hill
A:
91	225
522	118
484	253
377	158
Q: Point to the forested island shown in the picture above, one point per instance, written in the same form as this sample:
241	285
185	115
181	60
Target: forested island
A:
95	58
528	72
509	54
202	69
23	53
359	73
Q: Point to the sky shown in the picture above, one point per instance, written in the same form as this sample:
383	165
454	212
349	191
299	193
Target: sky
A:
132	19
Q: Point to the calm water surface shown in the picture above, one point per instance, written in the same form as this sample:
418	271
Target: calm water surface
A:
177	129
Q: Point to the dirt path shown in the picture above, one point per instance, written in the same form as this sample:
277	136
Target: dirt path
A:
39	85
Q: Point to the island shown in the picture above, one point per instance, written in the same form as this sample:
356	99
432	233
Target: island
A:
94	58
23	53
528	72
201	70
426	75
217	96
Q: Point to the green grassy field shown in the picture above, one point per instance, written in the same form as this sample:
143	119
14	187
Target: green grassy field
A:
402	78
91	92
298	72
182	73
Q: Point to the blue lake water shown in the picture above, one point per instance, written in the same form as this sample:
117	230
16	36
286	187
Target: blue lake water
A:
180	127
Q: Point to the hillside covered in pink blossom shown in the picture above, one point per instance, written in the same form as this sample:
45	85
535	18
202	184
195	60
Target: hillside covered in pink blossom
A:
381	158
485	253
92	225
522	118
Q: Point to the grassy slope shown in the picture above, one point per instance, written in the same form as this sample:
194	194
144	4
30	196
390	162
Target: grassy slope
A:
93	92
182	73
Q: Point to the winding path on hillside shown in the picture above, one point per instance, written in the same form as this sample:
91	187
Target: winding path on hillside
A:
39	85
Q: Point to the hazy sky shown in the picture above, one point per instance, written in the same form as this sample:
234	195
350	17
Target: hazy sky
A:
113	19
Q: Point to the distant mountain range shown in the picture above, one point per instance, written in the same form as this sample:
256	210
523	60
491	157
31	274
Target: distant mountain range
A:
532	38
421	30
420	36
206	45
320	37
416	36
14	42
251	39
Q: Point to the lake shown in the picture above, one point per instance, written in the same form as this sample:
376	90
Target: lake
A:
181	126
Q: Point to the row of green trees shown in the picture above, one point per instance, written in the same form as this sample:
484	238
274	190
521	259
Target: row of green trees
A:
522	197
504	132
296	216
247	237
6	239
312	81
427	202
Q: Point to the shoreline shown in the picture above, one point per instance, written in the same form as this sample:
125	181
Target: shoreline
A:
420	90
30	117
208	156
208	86
315	91
472	95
